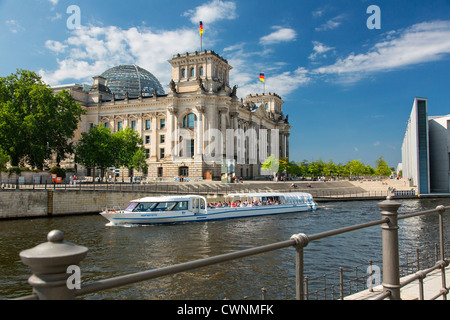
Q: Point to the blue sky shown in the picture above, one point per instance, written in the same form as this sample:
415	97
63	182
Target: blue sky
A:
348	89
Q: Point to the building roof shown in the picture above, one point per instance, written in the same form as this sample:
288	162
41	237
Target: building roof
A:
133	80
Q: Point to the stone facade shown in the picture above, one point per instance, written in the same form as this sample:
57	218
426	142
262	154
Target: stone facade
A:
199	123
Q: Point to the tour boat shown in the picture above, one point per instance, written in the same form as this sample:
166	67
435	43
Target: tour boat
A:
190	208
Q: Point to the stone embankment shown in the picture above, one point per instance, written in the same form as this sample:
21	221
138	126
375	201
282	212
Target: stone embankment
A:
30	201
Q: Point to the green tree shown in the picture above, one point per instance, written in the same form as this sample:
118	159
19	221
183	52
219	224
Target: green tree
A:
96	148
4	158
35	123
138	160
316	168
382	167
271	164
355	167
304	168
127	143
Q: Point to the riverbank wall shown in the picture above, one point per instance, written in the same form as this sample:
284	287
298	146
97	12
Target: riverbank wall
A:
77	200
15	204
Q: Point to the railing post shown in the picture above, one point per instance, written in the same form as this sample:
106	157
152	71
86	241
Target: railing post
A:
391	269
442	243
49	264
301	241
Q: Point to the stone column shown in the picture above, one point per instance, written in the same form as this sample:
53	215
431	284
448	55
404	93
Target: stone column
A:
199	147
223	127
153	139
287	144
282	145
171	128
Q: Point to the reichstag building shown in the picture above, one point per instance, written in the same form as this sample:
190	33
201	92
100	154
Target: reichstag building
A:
198	129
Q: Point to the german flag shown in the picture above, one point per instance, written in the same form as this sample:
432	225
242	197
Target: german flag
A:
201	28
261	77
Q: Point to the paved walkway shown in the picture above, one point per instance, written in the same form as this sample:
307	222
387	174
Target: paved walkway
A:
432	285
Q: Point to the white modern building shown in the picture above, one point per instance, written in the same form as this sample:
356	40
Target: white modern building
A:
426	150
439	132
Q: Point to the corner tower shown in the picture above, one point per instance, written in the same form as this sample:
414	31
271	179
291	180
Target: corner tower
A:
204	70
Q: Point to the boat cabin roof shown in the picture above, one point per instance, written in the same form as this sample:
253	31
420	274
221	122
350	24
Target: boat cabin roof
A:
168	198
271	194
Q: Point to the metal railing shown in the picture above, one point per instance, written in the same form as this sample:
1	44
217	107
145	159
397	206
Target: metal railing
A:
212	189
49	261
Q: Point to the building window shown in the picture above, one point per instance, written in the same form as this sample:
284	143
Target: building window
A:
147	139
267	106
190	121
133	124
161	153
201	71
183	73
183	171
162	138
147	124
107	125
162	123
147	153
119	125
160	172
91	126
192	72
192	148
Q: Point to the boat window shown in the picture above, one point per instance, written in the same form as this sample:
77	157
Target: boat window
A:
182	205
131	206
145	206
195	203
165	206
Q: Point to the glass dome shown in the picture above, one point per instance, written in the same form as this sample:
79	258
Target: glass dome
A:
132	79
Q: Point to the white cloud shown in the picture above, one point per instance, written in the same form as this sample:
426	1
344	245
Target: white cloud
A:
213	11
279	35
282	84
14	26
246	69
54	2
318	13
319	50
420	43
331	24
90	50
57	16
55	46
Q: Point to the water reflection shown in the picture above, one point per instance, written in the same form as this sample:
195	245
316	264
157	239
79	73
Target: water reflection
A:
116	251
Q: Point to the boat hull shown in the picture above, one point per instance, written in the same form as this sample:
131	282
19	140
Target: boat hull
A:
145	218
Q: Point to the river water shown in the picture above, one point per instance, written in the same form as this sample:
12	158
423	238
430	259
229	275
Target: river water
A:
117	251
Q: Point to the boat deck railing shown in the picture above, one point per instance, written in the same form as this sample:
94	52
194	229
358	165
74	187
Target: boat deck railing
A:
51	278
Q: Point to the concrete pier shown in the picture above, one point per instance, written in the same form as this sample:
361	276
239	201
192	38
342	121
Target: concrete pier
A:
432	284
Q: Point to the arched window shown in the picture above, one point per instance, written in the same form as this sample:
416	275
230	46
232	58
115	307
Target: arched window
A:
190	121
192	72
183	73
201	71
